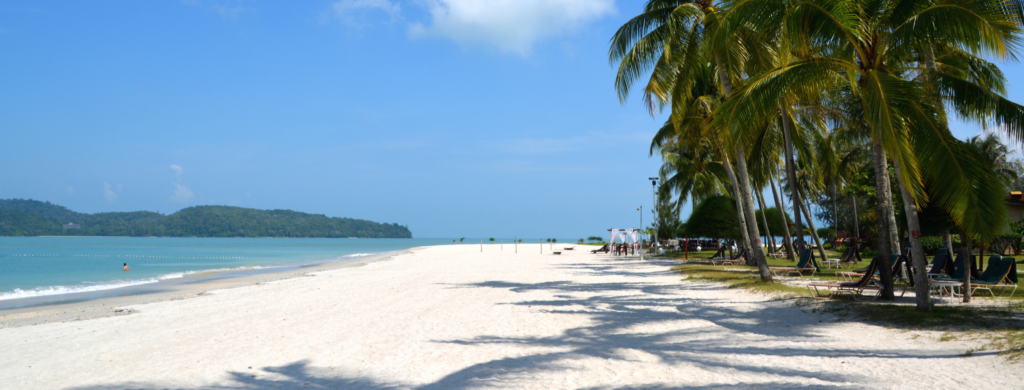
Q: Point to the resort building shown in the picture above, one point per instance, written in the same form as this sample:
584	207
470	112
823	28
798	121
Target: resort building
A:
72	225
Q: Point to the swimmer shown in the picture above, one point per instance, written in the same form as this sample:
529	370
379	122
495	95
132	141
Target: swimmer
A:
126	268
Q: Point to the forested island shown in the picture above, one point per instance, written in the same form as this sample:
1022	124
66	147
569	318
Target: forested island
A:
26	217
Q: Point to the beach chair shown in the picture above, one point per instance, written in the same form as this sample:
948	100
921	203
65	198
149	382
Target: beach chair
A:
806	263
958	271
855	289
569	248
718	255
736	259
852	258
1001	273
601	249
939	263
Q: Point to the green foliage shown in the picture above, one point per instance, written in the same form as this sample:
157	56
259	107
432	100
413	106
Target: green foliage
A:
774	221
461	239
32	218
715	217
491	239
826	233
931	245
1018	226
594	238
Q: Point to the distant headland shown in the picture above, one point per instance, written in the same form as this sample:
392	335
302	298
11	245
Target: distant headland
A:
26	217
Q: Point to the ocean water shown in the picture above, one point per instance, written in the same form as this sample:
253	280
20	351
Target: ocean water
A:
50	266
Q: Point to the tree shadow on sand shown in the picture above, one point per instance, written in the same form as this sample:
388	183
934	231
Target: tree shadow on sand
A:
620	317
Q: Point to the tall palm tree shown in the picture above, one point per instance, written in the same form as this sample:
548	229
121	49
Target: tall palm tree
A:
877	52
670	38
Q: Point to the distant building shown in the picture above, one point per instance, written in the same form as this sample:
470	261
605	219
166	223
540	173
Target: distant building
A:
71	225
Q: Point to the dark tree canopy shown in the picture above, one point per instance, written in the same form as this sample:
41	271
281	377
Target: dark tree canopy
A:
22	217
715	217
774	221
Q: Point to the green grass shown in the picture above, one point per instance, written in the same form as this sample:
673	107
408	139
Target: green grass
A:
738	277
997	328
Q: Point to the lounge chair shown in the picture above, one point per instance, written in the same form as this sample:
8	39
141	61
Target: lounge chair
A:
718	255
939	263
852	259
569	248
856	289
601	249
997	275
958	271
806	263
736	259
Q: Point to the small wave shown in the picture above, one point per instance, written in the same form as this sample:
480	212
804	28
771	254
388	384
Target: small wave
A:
358	255
57	290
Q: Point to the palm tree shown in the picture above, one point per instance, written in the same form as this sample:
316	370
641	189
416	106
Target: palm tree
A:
882	55
671	39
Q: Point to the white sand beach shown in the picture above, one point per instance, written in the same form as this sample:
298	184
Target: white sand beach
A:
450	317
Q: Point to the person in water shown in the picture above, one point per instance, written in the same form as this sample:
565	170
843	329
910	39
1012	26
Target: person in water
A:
126	268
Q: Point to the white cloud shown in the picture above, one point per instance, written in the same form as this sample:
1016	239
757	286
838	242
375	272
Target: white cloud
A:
510	25
351	11
109	193
177	171
181	193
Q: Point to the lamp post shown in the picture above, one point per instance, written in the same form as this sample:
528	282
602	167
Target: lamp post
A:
640	208
654	197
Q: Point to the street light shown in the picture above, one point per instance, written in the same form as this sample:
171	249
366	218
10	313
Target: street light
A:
640	208
654	198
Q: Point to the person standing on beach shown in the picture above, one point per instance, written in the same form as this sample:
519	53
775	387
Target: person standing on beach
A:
126	268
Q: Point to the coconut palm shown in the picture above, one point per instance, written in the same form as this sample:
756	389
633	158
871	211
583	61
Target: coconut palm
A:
882	55
671	40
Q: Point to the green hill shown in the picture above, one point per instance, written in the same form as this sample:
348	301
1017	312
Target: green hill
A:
24	217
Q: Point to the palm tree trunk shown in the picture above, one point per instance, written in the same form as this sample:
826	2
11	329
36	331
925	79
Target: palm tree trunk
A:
810	224
782	214
791	176
856	220
757	251
884	202
967	267
764	217
739	207
835	215
921	288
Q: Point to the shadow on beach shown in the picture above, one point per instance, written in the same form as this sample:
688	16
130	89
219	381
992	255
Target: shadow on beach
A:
615	311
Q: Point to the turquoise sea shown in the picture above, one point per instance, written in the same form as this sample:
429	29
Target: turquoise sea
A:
45	266
42	270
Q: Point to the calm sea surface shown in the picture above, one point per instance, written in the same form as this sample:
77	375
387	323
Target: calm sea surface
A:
42	266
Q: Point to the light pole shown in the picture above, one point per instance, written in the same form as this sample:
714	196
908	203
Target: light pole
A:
654	197
640	208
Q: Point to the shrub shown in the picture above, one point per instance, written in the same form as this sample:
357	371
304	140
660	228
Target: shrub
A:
931	245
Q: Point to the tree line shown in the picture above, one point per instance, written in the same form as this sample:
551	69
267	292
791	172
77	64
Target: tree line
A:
24	217
818	98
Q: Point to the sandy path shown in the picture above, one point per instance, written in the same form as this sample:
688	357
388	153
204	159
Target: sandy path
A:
452	317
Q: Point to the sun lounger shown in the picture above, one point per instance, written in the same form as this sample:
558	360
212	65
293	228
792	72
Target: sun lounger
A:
997	275
718	255
806	264
569	248
958	271
939	263
601	249
557	253
856	289
736	259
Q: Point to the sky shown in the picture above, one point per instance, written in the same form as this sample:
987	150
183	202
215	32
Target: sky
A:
456	118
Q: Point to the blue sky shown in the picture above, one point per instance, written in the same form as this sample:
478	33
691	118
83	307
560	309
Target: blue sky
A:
454	117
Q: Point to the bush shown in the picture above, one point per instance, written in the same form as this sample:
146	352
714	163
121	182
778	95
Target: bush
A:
826	233
931	245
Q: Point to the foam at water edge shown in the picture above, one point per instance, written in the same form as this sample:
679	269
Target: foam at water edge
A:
57	290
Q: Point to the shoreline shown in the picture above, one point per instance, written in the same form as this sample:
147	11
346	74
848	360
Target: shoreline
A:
79	306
